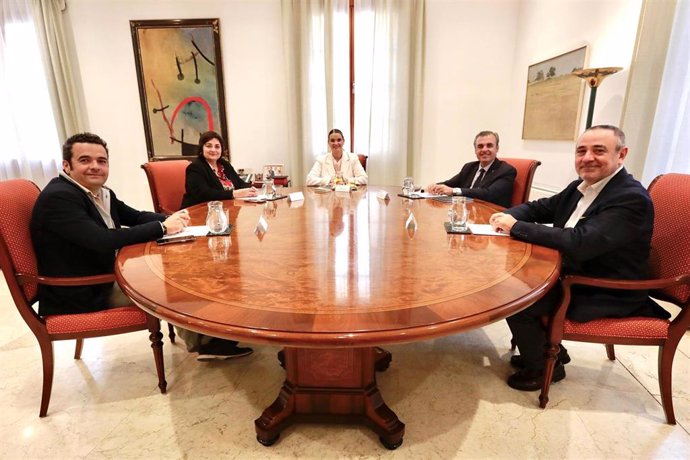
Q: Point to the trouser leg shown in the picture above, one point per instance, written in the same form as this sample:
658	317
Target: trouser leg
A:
528	331
194	340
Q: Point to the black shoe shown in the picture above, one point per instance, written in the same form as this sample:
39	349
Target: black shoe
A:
531	379
219	349
517	362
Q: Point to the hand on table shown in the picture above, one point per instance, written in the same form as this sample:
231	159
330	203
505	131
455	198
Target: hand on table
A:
502	222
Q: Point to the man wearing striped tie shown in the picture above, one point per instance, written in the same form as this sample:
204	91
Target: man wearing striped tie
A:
488	179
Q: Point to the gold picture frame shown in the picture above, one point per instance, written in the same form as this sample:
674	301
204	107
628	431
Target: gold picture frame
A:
180	76
553	100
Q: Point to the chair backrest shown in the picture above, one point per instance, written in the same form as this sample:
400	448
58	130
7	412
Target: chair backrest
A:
523	180
166	181
17	256
363	159
670	254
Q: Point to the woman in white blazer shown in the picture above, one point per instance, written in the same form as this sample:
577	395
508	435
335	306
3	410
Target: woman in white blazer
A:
327	166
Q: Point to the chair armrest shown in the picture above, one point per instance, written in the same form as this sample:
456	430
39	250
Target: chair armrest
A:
570	280
66	281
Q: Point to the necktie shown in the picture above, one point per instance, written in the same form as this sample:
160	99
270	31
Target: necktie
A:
478	180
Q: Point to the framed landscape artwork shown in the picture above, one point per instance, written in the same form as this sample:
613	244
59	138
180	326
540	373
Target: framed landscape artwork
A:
180	76
553	102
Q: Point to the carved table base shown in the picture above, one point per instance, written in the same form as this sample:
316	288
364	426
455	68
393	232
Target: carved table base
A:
330	385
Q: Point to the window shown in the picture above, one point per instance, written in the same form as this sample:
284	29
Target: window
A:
31	148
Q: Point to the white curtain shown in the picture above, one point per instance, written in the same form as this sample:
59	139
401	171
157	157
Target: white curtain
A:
669	143
388	43
30	145
388	61
63	77
316	48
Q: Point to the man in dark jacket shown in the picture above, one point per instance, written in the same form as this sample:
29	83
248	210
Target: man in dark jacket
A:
77	228
602	226
488	179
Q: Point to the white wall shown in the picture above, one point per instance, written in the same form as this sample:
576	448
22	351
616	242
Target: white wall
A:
469	52
547	28
253	67
476	58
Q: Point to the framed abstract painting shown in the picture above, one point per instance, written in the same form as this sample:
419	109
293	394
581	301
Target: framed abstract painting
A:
180	76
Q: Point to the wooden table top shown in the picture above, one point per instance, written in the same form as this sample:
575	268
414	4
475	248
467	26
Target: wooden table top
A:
337	270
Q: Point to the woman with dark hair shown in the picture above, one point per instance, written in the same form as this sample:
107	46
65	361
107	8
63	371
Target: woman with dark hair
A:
337	164
211	177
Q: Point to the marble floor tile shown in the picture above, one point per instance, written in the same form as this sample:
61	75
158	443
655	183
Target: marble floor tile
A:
450	392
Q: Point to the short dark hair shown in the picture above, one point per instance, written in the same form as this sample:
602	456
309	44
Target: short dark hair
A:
207	136
336	131
620	135
85	138
485	133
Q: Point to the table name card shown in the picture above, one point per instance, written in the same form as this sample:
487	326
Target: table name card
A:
296	196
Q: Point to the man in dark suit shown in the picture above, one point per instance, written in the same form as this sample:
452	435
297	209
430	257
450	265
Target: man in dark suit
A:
76	229
602	226
488	179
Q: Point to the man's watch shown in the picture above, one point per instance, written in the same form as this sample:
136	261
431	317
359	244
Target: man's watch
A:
457	191
164	228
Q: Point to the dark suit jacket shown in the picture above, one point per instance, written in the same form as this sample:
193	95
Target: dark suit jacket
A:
611	240
71	239
496	187
202	184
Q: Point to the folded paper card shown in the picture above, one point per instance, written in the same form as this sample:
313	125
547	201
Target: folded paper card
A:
296	196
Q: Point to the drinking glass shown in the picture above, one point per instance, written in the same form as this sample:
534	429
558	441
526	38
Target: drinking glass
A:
408	186
269	188
458	214
216	219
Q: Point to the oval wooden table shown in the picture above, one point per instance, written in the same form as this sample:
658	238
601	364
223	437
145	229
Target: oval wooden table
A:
330	278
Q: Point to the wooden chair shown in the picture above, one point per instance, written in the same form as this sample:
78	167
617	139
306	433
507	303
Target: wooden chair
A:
166	181
363	160
670	281
18	263
523	180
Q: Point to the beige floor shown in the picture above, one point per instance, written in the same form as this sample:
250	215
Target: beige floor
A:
450	393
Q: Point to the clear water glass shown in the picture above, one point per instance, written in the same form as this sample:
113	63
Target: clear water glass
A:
269	188
216	219
458	213
408	186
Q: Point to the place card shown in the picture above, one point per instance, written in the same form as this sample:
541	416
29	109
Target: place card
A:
382	195
296	196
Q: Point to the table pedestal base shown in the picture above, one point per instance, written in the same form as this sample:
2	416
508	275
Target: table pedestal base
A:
330	385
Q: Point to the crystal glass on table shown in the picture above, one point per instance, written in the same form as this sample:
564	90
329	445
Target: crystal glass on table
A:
458	213
217	218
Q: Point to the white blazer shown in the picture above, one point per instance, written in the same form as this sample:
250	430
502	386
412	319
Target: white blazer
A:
323	170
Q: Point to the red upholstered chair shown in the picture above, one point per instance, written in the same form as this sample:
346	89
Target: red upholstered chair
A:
363	159
670	281
18	264
523	180
166	181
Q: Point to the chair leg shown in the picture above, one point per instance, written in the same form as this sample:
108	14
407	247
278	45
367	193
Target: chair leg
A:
551	353
156	338
78	348
610	352
666	354
48	367
171	333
